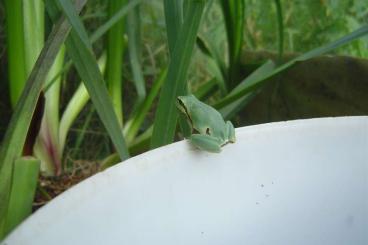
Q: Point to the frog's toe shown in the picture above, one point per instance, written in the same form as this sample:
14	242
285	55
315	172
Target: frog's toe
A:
230	131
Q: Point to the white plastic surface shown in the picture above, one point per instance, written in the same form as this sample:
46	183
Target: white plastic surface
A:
297	182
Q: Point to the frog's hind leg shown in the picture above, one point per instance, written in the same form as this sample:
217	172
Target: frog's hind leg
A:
230	131
205	142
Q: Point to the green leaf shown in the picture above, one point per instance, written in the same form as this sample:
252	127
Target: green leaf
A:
33	19
115	53
24	184
249	87
15	136
114	19
134	43
233	11
206	89
174	11
216	64
175	84
75	105
133	125
15	48
230	110
88	70
174	19
68	9
100	32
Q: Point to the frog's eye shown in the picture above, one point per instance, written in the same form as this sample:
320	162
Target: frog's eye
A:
182	106
208	131
180	102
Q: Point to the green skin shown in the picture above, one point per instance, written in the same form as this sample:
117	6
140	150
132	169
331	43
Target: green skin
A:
209	130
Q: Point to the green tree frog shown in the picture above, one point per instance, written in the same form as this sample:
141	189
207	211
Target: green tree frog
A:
209	131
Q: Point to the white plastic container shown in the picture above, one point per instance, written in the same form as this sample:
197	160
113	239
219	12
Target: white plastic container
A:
297	182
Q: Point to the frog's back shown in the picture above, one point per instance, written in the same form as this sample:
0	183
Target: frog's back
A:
212	117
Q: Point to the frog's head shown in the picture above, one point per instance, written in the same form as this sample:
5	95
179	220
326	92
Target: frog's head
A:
185	103
182	103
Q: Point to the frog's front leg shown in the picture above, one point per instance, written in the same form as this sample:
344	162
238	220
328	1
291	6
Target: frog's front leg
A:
230	131
206	142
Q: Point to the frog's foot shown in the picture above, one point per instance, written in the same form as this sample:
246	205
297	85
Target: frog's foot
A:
230	132
206	142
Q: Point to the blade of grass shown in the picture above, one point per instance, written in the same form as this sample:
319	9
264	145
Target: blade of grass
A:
233	11
86	65
141	143
133	125
230	110
115	53
134	40
216	65
83	130
175	84
15	136
99	33
313	53
33	17
114	19
174	12
24	184
75	106
174	18
68	9
16	54
206	89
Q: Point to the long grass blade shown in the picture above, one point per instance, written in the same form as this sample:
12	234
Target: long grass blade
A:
134	42
174	12
122	12
33	18
16	55
133	125
86	65
206	89
216	64
75	105
24	184
230	110
77	25
174	19
15	136
233	11
115	54
103	29
175	84
313	53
